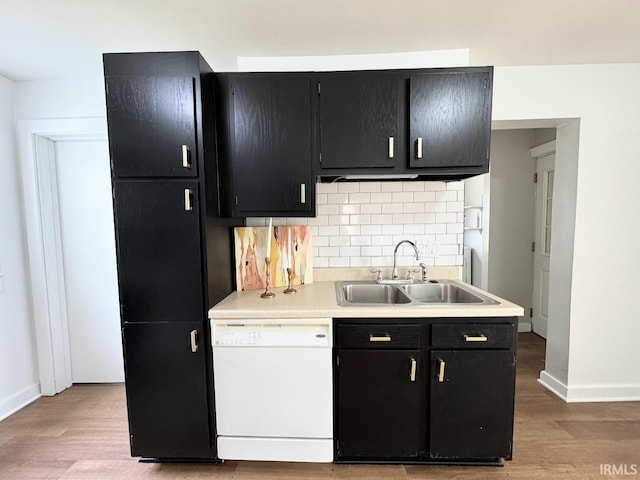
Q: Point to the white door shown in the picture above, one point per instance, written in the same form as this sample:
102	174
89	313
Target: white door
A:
89	259
542	250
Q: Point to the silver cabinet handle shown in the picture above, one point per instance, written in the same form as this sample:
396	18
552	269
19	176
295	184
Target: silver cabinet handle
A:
303	193
194	341
186	163
187	200
419	148
391	147
381	338
441	371
412	375
475	338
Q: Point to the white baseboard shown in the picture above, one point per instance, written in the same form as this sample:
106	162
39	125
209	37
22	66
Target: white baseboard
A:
524	326
552	384
12	404
589	393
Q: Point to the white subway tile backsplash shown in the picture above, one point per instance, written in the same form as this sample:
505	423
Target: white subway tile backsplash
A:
338	262
359	224
384	197
371	208
360	261
338	219
320	262
326	188
448	217
447	196
413	208
357	198
348	187
360	219
400	197
370	229
370	187
391	187
339	241
350	208
413	186
328	209
392	207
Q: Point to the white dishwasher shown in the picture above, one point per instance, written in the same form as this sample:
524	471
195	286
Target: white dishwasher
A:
273	390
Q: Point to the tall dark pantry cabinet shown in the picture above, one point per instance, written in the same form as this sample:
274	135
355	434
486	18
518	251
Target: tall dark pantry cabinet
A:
173	250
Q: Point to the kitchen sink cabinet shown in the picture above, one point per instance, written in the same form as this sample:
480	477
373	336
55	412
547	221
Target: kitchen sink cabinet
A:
440	390
173	250
267	140
435	123
471	412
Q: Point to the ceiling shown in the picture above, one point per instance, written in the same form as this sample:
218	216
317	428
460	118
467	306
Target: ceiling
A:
44	39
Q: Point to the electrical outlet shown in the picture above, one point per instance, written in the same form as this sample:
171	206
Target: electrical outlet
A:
427	250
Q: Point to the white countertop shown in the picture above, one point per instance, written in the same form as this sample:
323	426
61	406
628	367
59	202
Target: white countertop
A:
318	300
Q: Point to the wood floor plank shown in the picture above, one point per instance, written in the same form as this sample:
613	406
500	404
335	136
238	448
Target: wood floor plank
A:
82	434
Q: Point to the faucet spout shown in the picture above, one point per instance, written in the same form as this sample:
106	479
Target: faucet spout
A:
394	272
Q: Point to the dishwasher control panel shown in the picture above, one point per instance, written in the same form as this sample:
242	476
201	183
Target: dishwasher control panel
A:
271	335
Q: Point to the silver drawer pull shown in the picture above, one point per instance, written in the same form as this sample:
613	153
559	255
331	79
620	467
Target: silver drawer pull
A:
412	375
194	341
382	338
475	338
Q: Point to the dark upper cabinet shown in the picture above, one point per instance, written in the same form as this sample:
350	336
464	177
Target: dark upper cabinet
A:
152	127
360	121
167	390
267	137
440	121
450	119
471	403
380	405
159	253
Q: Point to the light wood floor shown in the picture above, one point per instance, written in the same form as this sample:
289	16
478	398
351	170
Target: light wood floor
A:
82	434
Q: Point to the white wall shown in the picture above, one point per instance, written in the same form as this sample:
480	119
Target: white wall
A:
18	364
477	193
510	261
603	356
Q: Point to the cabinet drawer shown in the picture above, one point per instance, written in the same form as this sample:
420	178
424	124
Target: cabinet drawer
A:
474	335
378	336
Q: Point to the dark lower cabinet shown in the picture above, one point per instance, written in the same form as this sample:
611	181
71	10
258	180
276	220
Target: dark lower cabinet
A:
380	408
167	390
471	404
432	390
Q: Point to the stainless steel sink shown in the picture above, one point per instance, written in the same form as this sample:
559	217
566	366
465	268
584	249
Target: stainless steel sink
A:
367	293
440	293
444	293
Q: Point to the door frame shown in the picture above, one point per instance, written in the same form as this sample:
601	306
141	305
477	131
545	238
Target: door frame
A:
537	153
42	221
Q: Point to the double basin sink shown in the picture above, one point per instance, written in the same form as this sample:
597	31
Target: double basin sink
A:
434	293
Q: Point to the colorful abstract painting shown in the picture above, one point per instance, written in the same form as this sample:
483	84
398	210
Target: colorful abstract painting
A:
288	246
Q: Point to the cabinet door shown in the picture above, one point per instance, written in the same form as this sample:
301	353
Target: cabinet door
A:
359	121
472	395
167	390
272	145
159	253
381	411
450	119
152	131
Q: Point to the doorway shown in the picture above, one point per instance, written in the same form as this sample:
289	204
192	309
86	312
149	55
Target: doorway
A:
89	261
544	157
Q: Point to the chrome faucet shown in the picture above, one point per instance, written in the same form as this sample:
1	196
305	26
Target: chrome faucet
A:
394	272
